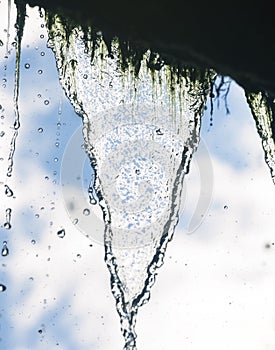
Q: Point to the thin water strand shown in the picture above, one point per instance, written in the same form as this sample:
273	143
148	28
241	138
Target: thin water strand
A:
8	29
20	23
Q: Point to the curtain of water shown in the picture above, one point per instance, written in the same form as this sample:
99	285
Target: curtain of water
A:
141	126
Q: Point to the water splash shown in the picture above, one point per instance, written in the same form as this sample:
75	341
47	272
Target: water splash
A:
141	122
262	106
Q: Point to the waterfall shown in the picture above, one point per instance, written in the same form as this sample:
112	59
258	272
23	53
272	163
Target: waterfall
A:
141	123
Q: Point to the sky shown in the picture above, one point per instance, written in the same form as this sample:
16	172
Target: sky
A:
215	289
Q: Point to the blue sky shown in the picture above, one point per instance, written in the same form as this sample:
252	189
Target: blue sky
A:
217	284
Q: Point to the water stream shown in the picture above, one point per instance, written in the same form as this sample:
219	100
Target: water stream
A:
141	126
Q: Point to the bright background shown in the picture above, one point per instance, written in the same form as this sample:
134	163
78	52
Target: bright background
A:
216	288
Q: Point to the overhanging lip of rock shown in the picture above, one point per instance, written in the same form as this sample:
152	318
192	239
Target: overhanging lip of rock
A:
234	39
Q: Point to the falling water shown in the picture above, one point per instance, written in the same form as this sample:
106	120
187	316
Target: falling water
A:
141	122
20	22
262	106
19	27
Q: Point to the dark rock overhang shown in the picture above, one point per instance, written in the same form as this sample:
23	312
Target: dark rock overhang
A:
234	38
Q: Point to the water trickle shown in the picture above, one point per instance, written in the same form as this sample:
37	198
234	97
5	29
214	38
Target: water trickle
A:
141	127
5	249
20	22
8	30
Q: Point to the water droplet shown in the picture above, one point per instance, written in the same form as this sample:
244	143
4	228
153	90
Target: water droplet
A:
75	221
78	256
27	65
56	159
2	288
85	76
40	331
2	133
42	53
7	224
37	216
5	250
40	71
39	95
46	102
33	241
225	207
159	132
92	199
40	130
57	144
86	212
46	177
16	124
1	43
42	36
8	191
61	233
